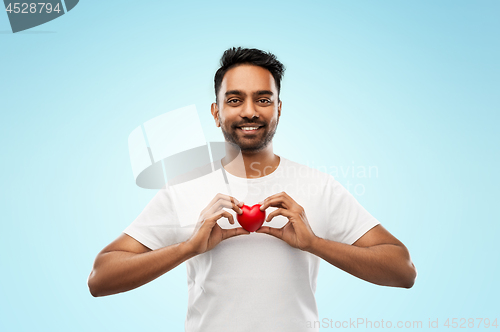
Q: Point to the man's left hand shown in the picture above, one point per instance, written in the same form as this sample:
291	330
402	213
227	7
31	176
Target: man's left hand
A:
297	232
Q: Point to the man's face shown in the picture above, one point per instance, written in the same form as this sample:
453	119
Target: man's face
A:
248	98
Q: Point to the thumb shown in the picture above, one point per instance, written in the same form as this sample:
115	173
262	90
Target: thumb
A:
227	233
276	232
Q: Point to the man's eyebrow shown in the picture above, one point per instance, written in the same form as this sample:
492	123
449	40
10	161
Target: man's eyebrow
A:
263	92
234	92
241	93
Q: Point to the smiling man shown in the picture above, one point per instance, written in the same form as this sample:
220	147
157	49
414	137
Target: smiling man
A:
264	280
254	90
249	114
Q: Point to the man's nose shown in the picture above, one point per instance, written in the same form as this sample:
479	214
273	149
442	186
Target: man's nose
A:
249	110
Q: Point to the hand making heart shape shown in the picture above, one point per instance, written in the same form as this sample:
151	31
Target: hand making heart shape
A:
297	232
207	233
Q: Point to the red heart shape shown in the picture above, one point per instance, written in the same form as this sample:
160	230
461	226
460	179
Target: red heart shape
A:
252	217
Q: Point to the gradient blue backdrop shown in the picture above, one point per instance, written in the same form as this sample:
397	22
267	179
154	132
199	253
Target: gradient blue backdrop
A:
410	88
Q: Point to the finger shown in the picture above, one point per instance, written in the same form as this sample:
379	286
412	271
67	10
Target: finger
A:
280	201
268	198
231	199
215	199
227	233
226	197
219	214
279	212
277	195
276	232
208	209
224	203
266	203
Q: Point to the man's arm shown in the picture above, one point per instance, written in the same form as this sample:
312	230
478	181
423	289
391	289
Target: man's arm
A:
126	264
377	257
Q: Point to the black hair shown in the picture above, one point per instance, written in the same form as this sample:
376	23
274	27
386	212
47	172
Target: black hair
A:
235	56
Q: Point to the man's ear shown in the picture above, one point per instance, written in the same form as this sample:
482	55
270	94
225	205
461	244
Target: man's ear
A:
215	114
279	109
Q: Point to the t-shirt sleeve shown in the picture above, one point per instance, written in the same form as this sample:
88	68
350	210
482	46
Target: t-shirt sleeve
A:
157	226
347	219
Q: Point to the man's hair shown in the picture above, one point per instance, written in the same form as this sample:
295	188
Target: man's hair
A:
236	56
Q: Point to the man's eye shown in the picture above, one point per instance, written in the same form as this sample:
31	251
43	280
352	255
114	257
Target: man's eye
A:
265	100
231	101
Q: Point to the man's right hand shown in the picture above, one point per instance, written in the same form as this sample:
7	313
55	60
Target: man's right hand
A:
207	233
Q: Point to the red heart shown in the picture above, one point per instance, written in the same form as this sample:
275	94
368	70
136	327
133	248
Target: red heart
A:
252	217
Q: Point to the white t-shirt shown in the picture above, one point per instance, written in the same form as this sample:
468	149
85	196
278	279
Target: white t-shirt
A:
252	282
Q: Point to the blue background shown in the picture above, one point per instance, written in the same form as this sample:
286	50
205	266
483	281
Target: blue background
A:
408	87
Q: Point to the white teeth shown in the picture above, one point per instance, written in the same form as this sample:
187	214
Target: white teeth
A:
249	128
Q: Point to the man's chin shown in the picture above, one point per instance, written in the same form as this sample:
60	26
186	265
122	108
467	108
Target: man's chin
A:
255	146
249	147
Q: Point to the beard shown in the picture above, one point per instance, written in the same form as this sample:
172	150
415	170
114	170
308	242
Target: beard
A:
254	143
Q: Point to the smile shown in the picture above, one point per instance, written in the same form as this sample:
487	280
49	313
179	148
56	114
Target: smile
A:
249	130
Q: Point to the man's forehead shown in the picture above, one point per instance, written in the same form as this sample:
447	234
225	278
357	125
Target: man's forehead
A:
248	79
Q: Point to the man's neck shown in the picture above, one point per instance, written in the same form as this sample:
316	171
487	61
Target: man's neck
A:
250	164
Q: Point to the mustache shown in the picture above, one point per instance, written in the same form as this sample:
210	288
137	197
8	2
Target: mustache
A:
248	124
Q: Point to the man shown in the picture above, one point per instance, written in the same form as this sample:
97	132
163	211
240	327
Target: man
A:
264	280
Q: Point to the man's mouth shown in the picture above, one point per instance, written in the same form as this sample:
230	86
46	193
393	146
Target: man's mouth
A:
249	129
